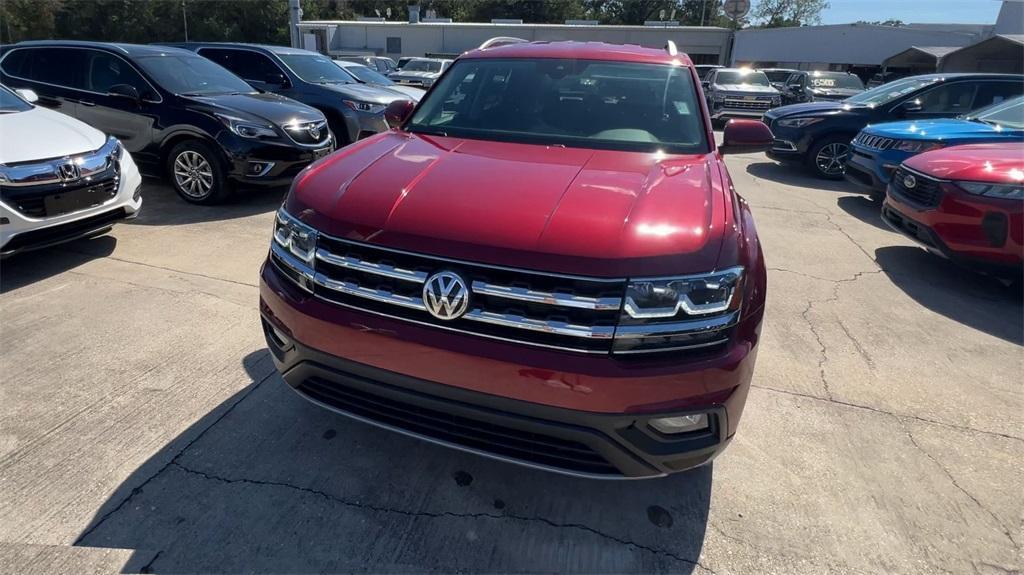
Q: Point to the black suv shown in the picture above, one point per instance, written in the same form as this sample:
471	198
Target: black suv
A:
818	134
353	110
178	114
804	86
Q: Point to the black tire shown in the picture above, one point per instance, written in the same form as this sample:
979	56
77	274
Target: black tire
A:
197	172
830	151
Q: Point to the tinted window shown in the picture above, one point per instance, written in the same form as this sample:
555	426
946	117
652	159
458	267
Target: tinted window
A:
778	75
103	70
729	77
581	103
835	80
422	66
953	98
892	91
58	66
246	64
191	75
315	68
364	74
11	102
1008	114
996	92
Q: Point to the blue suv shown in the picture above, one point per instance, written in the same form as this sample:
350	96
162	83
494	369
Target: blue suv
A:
878	150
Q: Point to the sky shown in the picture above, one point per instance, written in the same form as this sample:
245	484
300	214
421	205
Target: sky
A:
918	11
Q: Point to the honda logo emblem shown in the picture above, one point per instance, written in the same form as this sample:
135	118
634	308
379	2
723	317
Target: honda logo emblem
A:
446	296
69	172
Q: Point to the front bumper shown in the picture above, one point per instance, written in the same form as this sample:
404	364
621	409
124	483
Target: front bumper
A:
335	356
260	163
870	170
21	233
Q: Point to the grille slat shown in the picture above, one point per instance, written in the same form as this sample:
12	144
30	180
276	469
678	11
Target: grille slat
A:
747	104
873	142
926	193
472	433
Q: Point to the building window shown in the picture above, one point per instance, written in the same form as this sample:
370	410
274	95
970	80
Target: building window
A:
394	45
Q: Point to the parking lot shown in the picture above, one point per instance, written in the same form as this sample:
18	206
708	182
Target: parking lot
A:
144	427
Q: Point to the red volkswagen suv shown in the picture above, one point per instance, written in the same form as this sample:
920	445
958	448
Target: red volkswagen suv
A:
965	203
544	262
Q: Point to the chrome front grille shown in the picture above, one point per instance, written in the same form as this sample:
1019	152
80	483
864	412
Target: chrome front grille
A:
873	142
925	193
740	104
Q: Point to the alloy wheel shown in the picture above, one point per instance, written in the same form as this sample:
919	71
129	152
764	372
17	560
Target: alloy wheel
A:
830	158
193	174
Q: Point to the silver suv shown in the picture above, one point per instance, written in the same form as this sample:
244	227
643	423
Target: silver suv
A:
739	93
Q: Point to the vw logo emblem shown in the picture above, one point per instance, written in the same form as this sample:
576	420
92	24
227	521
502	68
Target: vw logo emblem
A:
909	182
314	131
446	296
69	172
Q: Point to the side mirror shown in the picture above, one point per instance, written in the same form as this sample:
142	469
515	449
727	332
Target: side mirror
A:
398	112
29	96
911	106
125	91
706	84
276	79
746	136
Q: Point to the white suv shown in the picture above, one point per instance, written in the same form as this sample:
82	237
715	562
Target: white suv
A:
59	178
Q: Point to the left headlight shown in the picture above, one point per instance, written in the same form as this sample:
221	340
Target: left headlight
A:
366	107
295	237
916	146
679	312
247	128
1011	191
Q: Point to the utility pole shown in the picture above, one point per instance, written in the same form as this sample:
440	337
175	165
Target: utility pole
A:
184	18
294	17
703	8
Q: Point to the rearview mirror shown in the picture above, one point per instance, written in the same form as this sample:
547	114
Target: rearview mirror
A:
745	137
398	112
125	91
29	96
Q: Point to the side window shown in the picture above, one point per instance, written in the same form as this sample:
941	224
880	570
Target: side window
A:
996	92
57	66
104	70
245	64
953	98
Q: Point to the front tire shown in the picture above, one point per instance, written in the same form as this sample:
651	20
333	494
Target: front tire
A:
197	173
827	157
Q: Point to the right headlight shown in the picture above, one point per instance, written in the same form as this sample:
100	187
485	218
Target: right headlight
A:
1013	191
679	312
798	122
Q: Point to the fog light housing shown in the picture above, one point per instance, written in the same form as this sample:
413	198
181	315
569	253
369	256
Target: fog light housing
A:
680	423
259	169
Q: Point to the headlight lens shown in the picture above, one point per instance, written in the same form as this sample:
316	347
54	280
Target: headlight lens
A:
776	100
916	146
247	128
718	97
798	122
295	237
365	106
1010	191
682	312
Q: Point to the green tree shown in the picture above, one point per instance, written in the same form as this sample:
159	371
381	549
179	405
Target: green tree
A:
779	13
27	19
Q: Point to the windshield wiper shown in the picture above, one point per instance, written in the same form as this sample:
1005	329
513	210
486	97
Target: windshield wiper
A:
428	131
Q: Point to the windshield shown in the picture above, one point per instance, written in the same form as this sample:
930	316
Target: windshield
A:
778	75
364	74
11	102
316	69
828	80
576	103
1007	114
893	90
422	66
192	75
729	77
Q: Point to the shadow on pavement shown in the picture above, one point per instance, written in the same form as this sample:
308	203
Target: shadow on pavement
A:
867	209
161	205
269	483
27	268
978	301
794	175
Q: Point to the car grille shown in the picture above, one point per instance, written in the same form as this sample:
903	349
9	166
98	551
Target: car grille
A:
759	104
468	432
873	142
926	192
33	201
565	312
309	133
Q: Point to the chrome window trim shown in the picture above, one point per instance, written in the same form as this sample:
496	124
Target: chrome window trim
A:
61	86
549	298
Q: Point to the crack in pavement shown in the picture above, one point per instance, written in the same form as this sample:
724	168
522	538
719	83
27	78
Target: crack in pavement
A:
164	268
442	514
953	480
889	413
136	490
190	291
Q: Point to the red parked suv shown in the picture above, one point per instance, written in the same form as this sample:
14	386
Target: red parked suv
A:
544	262
965	203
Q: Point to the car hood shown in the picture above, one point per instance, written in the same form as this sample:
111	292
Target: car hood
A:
940	130
404	74
813	109
836	92
273	108
411	92
748	89
64	136
367	93
566	210
997	163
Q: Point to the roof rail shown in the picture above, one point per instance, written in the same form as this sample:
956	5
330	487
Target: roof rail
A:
670	47
501	41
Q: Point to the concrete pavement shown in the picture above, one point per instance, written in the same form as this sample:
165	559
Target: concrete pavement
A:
143	428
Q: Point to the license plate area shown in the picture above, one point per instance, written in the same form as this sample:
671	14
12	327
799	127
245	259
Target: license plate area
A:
76	200
317	154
